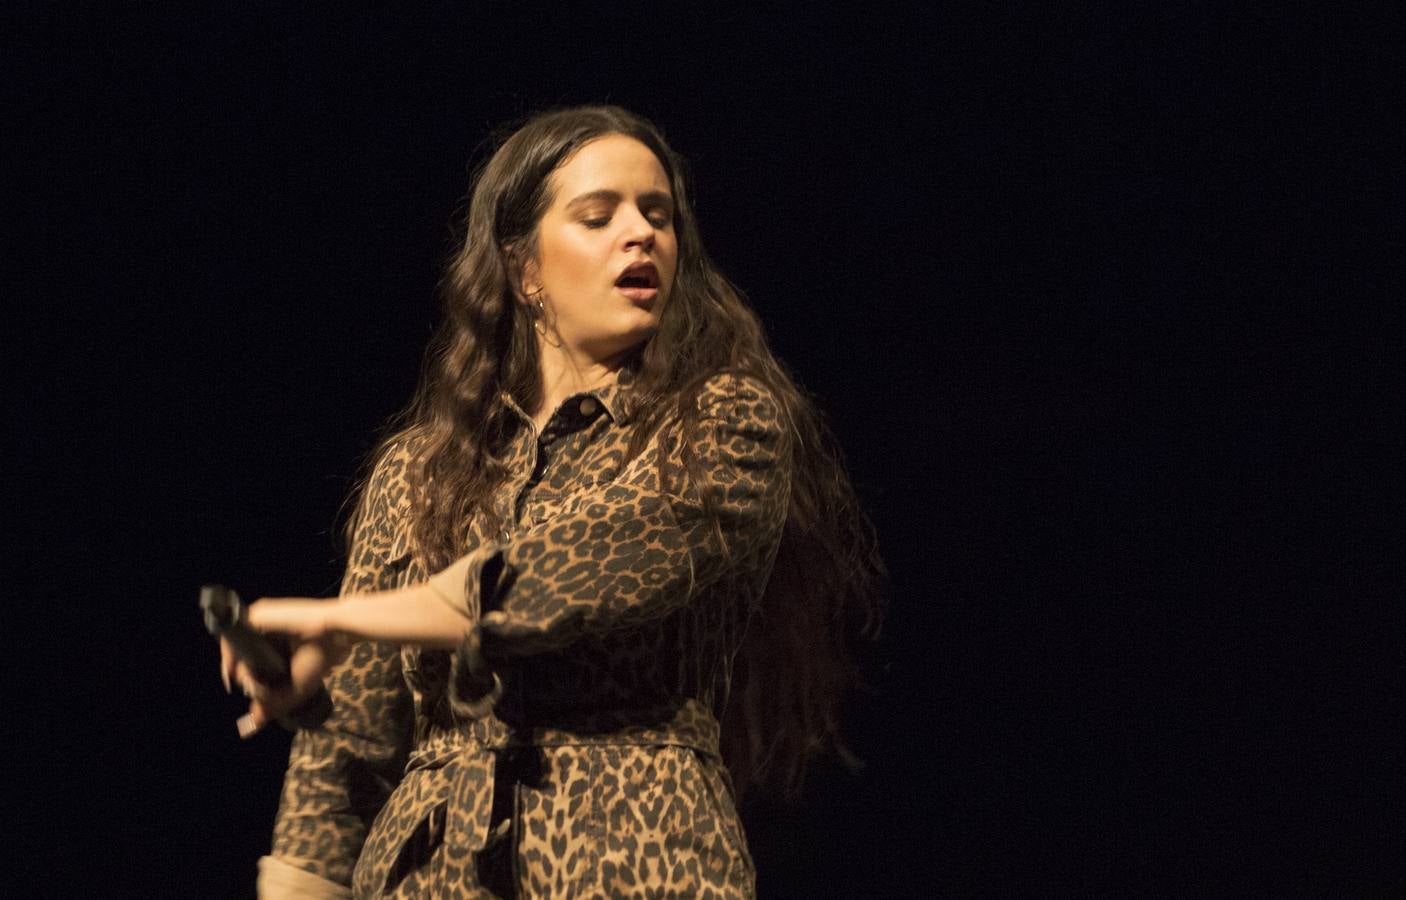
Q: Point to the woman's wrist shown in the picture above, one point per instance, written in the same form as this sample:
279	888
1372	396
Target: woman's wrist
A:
340	615
409	615
357	615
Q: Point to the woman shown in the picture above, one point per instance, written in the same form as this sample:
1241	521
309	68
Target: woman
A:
609	522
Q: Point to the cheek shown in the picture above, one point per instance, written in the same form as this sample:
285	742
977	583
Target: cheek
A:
565	258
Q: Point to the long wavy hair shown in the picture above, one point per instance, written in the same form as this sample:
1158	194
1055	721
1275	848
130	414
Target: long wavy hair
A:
796	664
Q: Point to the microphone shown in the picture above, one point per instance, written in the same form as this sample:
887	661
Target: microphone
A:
225	618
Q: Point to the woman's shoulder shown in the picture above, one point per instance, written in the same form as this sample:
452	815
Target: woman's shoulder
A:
387	487
736	391
739	402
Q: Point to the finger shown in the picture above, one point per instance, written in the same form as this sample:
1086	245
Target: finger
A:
226	663
255	689
252	722
249	686
306	669
233	671
308	664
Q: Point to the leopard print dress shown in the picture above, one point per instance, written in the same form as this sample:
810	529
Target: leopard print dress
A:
569	747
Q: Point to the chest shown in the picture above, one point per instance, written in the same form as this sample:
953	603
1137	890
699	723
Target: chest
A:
553	473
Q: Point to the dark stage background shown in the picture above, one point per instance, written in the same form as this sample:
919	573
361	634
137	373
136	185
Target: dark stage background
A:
1071	283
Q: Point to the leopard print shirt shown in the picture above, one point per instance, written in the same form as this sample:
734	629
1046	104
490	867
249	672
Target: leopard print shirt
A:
570	749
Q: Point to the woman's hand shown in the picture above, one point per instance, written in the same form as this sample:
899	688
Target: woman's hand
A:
322	632
317	646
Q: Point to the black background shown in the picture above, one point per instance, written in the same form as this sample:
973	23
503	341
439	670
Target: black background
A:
1087	292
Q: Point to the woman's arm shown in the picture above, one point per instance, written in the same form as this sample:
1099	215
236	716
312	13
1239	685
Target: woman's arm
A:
408	615
636	549
340	775
632	551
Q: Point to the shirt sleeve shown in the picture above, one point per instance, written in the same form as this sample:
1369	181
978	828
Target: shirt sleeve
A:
340	775
643	545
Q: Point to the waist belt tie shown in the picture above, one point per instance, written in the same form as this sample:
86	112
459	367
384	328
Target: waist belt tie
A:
461	779
454	783
448	787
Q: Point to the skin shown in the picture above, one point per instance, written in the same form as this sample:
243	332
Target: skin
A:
582	247
588	330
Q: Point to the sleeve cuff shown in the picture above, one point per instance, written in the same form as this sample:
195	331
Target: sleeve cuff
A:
475	583
280	879
471	586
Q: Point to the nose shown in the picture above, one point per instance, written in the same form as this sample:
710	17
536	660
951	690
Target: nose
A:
640	232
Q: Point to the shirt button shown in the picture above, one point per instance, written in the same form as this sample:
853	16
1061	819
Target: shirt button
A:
588	405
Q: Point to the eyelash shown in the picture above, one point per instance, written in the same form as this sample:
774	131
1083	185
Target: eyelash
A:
663	222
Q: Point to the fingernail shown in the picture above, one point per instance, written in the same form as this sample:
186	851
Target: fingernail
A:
246	725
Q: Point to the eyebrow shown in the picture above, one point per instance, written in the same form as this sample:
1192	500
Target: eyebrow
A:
659	198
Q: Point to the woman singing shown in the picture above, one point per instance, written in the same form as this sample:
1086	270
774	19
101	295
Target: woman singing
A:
605	570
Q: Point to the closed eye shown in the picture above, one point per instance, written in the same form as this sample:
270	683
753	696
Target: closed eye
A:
660	220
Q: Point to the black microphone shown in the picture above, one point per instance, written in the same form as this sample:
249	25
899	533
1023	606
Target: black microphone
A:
225	618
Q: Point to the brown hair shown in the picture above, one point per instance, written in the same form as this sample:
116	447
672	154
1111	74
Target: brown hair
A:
794	668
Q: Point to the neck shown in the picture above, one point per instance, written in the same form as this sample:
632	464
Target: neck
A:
566	372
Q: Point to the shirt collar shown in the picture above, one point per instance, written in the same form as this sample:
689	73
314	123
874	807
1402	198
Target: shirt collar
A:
611	396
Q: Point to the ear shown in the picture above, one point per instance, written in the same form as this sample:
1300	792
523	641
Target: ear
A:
529	283
522	274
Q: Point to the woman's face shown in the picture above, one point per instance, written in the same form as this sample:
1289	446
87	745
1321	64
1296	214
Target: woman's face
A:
606	248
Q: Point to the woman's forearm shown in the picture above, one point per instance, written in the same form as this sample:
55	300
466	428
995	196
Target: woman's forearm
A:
411	615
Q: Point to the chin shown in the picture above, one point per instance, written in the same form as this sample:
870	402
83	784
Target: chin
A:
622	341
639	325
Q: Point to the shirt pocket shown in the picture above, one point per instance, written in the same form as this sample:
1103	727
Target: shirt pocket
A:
706	778
394	569
545	506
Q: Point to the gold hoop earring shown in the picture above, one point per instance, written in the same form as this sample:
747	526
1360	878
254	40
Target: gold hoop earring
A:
539	328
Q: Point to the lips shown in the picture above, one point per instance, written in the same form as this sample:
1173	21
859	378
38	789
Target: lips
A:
639	275
639	282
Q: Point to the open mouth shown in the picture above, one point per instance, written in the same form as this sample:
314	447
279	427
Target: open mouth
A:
639	282
639	275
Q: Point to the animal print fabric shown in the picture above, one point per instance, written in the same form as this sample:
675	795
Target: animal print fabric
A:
570	750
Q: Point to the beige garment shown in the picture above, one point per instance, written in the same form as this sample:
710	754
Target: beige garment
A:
280	880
